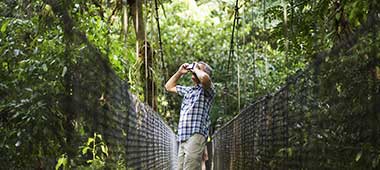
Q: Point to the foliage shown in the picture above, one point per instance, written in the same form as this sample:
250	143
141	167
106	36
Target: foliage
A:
258	57
97	150
350	88
39	55
40	48
268	49
32	70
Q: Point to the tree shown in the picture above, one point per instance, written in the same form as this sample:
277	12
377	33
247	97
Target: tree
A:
144	52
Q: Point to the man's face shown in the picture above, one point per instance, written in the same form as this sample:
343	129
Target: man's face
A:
195	80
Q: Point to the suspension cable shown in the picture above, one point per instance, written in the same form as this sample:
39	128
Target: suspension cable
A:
159	38
231	51
254	46
163	68
146	83
232	35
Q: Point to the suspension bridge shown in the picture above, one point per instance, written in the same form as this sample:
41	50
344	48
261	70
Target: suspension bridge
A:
291	128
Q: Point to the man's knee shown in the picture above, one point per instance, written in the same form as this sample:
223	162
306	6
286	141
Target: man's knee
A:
192	163
193	152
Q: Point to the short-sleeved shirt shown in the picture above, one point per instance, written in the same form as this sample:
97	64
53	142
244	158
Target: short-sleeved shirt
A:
195	108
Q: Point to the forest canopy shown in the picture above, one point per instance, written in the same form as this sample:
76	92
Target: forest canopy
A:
44	42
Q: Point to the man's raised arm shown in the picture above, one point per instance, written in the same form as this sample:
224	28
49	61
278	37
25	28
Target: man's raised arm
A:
170	86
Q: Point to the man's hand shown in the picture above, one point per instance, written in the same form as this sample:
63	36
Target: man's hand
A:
170	86
183	68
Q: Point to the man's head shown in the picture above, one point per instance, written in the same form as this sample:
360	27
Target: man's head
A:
204	67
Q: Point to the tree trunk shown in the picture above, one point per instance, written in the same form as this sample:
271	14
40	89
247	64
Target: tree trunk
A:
144	52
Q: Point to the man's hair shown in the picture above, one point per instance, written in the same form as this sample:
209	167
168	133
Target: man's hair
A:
208	69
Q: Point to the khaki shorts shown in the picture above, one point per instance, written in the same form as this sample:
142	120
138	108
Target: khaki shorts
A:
190	152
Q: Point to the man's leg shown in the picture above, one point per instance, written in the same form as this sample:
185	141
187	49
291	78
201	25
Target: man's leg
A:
194	147
204	158
181	155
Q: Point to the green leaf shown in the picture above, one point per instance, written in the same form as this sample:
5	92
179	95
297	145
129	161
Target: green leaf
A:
44	67
4	26
104	149
375	161
85	149
358	156
61	161
89	141
64	71
290	152
15	115
337	16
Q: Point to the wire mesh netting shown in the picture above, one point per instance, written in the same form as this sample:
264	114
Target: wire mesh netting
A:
151	144
290	129
134	133
317	120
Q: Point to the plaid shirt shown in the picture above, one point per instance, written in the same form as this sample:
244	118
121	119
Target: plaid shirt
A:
195	108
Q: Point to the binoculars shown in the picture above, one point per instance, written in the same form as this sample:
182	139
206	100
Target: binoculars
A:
191	66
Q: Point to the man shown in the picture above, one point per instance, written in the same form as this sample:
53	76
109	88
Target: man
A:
194	116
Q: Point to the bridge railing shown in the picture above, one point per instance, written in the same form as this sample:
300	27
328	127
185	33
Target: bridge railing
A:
137	137
298	127
151	143
271	132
